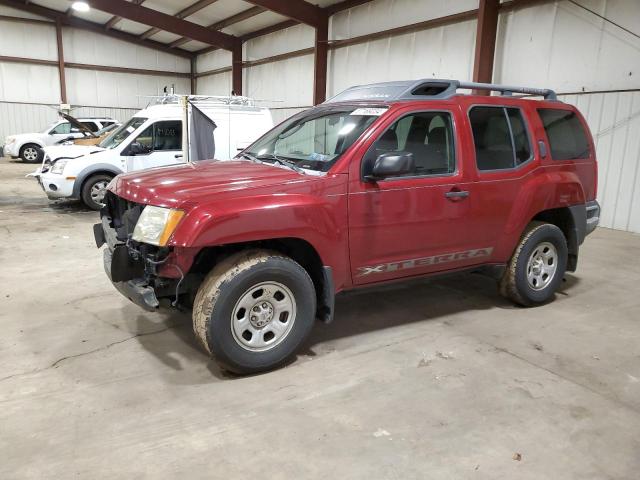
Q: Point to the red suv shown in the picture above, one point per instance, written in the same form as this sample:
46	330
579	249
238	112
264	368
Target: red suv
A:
381	183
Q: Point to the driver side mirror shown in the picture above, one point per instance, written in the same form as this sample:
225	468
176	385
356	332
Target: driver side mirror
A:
391	164
137	148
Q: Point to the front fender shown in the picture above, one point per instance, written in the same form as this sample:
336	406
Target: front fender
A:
319	220
34	141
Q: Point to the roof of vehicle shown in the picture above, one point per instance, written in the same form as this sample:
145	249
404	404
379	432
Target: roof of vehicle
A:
428	89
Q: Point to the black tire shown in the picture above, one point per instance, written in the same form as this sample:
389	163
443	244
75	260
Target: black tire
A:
515	284
31	153
86	194
224	289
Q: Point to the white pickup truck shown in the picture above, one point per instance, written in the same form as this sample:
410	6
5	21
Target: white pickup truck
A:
151	138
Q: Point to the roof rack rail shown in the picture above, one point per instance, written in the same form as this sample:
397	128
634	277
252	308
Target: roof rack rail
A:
429	89
171	98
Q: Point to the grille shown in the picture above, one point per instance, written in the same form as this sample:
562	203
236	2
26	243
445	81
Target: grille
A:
123	215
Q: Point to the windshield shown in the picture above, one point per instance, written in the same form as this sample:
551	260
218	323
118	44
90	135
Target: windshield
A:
314	139
121	134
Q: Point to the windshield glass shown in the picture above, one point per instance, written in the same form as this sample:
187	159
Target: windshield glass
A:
316	138
121	134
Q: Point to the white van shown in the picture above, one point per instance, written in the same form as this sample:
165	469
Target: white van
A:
151	138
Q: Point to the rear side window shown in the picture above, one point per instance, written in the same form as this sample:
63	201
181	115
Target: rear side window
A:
500	137
567	138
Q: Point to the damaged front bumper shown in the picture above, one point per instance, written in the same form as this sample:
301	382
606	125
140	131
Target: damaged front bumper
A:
132	269
137	290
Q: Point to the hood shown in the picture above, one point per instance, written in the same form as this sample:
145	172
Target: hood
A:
29	137
70	151
200	182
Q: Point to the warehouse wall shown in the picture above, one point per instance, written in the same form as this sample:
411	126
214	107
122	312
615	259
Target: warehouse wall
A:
30	94
563	46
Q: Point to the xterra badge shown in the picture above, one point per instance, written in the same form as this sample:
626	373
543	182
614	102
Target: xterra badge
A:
424	261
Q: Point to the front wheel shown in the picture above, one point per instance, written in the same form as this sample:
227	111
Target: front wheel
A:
254	310
537	267
93	191
31	153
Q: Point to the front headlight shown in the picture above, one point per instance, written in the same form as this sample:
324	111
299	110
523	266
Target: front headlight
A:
58	167
10	140
156	225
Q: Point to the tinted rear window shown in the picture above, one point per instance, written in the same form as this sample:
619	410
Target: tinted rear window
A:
567	138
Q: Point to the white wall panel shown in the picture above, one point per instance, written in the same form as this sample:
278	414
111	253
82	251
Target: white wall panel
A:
294	38
213	60
81	46
443	52
24	118
287	83
219	84
568	48
110	89
385	14
20	82
28	40
614	120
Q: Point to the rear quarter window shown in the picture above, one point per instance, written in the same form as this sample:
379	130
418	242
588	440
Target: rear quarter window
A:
567	138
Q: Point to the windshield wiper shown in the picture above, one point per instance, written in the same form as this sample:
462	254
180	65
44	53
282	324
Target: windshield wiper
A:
248	156
281	161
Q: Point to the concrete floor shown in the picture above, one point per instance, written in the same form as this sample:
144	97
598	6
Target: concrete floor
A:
439	379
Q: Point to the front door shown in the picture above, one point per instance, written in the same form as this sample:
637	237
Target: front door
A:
162	144
415	223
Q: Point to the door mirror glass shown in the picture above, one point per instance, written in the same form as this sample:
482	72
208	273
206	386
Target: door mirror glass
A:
392	164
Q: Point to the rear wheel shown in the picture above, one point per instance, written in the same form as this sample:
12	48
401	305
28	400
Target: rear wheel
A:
94	189
31	153
537	267
254	310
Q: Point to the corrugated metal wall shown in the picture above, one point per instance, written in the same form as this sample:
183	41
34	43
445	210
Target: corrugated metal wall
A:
614	119
30	94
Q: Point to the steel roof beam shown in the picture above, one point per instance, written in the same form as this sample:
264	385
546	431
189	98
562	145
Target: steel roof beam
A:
298	10
115	19
225	22
184	13
165	22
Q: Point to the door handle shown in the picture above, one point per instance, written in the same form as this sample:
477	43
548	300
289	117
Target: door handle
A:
457	194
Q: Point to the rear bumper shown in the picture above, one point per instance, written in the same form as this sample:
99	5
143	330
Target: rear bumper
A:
135	290
593	216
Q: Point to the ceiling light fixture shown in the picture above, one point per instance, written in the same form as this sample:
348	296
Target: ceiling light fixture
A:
80	6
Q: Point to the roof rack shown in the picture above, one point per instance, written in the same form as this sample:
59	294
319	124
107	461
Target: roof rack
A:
201	99
429	89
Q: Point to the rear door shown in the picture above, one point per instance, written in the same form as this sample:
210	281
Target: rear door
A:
503	159
416	223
